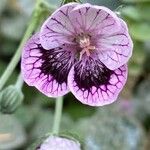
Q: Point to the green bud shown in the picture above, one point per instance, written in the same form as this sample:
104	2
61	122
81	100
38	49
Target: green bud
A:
69	1
10	99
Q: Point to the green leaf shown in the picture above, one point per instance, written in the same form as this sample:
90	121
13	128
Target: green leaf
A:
13	27
13	76
131	12
2	5
142	103
144	11
136	1
26	114
44	123
137	59
137	12
109	129
140	31
112	4
12	134
76	109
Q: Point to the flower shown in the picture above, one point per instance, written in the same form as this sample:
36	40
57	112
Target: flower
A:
80	48
59	143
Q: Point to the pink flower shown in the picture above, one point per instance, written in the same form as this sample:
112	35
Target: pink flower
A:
59	143
81	48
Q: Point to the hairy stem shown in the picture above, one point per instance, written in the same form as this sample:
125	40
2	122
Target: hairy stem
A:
33	25
58	114
19	82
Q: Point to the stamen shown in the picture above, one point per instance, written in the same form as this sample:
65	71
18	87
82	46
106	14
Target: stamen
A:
85	44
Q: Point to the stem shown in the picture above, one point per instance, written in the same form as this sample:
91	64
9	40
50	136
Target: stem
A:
15	59
58	114
19	82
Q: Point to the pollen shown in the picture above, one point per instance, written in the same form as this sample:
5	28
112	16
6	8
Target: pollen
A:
85	44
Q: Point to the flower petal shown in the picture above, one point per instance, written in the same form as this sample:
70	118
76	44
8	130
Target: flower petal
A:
94	84
58	28
47	70
116	49
59	143
95	20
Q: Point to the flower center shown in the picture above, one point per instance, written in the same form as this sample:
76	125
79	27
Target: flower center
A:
84	43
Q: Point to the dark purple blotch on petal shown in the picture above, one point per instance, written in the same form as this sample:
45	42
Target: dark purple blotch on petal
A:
47	70
94	74
55	63
94	84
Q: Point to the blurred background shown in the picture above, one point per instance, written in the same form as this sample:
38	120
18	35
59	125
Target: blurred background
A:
123	125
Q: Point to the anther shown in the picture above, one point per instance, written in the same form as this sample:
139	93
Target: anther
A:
84	43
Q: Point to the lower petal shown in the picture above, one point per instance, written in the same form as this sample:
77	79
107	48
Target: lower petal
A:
47	70
95	85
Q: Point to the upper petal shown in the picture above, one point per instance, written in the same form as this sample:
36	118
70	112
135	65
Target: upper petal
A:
72	19
47	70
95	20
94	84
116	49
58	28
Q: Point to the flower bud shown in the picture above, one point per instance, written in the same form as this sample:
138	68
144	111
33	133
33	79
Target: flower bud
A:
55	142
10	99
